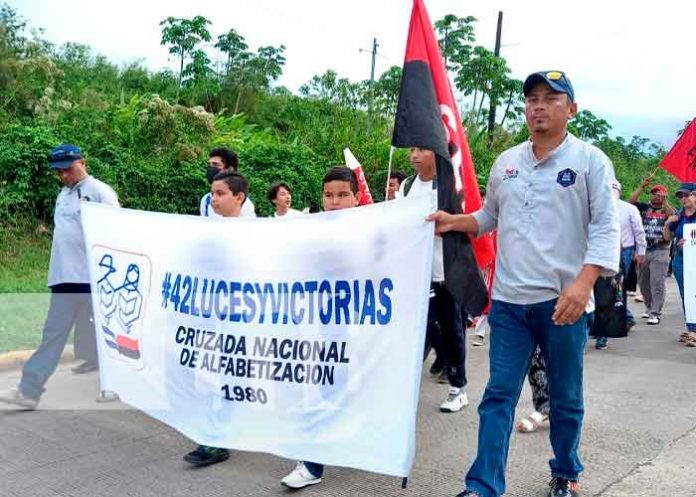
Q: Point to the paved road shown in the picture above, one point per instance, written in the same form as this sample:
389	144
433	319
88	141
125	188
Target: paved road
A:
639	438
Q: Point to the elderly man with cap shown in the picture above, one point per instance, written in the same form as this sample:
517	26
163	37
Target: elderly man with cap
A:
653	272
558	230
68	276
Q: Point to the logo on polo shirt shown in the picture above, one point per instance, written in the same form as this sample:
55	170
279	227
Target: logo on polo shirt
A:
510	173
122	288
566	177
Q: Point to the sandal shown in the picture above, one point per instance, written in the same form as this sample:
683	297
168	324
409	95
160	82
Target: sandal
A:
531	423
684	336
690	339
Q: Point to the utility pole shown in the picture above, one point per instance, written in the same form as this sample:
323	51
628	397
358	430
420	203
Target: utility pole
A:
372	86
498	36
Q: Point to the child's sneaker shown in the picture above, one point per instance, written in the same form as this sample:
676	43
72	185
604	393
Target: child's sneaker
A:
300	477
456	400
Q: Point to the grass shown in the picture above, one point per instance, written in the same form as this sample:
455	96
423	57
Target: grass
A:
23	317
25	247
24	253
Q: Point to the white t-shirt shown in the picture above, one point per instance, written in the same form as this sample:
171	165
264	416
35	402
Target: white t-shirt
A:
290	213
207	207
423	188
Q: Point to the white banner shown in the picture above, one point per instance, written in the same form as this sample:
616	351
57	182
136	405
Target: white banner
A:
690	272
301	337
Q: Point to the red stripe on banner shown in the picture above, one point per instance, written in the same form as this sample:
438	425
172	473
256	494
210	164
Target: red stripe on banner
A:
127	343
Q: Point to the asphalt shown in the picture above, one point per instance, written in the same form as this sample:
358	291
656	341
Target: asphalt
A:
639	438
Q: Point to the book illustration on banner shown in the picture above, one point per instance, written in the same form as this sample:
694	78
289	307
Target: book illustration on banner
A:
123	281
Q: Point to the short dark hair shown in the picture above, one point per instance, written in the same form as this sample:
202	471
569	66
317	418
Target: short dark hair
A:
400	176
275	187
235	182
341	173
229	158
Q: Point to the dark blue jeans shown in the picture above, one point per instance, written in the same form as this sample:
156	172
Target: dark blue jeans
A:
515	332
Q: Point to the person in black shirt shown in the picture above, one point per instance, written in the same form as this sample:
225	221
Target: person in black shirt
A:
653	272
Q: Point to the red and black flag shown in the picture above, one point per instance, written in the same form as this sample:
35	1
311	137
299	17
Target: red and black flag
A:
427	117
681	160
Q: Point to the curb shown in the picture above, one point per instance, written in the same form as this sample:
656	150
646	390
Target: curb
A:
14	360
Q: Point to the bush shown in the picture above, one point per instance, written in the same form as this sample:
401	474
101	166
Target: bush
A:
265	162
27	186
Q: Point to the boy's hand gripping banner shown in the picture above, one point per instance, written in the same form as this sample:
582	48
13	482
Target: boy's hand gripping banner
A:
300	337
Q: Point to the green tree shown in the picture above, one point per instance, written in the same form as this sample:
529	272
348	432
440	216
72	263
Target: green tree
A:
589	127
183	36
340	91
386	92
235	47
259	71
456	36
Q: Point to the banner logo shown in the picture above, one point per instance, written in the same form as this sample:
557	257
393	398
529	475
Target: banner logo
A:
123	285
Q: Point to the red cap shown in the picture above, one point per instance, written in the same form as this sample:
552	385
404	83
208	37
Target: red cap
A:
661	189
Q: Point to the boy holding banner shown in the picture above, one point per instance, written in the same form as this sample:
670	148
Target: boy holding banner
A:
340	191
228	193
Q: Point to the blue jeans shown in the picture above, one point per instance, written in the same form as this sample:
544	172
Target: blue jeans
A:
515	332
678	270
626	260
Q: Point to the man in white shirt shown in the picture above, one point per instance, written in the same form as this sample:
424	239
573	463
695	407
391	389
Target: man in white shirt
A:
222	159
68	277
558	230
633	241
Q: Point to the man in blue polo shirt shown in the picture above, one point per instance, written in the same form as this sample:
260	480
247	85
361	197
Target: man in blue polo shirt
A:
68	277
550	199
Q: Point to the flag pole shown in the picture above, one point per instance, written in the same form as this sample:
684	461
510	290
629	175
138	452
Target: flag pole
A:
389	169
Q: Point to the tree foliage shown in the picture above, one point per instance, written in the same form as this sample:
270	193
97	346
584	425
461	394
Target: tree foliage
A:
147	133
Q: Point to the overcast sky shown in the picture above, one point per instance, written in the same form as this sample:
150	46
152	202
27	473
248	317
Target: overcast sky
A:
631	65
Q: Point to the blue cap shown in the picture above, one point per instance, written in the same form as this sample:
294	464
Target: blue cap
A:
557	80
686	188
63	156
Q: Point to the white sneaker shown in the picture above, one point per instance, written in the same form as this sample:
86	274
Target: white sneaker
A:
653	320
455	400
300	477
17	398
